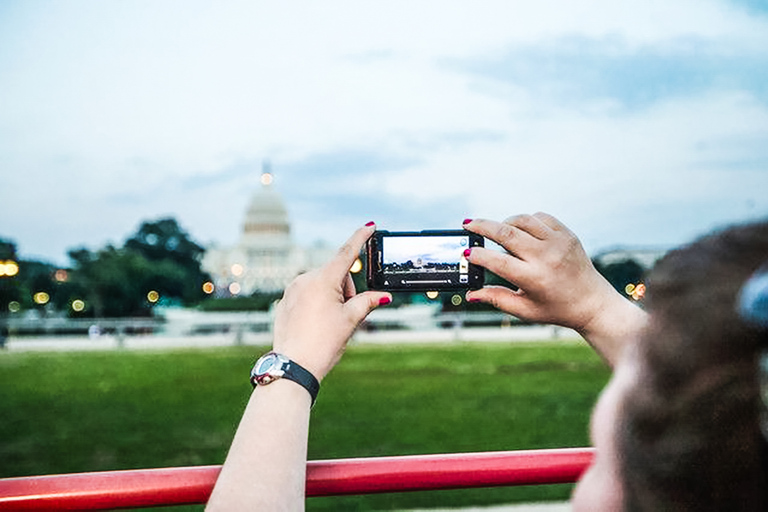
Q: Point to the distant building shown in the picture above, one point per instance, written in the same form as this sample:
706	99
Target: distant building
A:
265	259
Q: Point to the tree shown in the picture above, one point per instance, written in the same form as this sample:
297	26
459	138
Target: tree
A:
110	279
10	289
7	250
116	282
165	239
166	244
160	257
33	277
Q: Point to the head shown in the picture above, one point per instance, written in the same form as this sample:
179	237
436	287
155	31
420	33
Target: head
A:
679	425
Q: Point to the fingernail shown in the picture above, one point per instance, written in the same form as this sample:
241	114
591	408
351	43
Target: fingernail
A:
466	221
473	300
467	252
369	224
384	301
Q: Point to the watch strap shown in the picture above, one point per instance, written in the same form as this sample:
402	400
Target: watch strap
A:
297	373
287	369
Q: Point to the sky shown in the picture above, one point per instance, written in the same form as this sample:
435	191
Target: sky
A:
640	123
434	249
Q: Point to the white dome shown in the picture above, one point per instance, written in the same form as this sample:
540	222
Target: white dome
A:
266	213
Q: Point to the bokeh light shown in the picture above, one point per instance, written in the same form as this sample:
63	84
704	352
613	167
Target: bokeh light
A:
41	298
14	307
234	288
61	275
237	269
357	266
432	295
208	287
456	300
153	296
8	268
629	289
266	178
78	305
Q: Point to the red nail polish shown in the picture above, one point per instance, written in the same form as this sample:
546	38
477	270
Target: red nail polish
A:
369	224
467	252
466	221
384	301
473	300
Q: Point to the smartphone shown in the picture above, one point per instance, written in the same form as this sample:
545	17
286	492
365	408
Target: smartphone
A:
421	261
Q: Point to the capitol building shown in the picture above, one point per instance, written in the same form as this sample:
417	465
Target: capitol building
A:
265	259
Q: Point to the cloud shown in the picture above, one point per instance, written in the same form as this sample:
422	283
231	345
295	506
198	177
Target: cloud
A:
578	70
344	189
752	6
410	113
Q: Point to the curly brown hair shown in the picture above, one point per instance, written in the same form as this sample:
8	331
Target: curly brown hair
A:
689	434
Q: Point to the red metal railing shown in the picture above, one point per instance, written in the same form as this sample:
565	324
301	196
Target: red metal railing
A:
191	485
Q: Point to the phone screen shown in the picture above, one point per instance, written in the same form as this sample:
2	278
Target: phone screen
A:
421	261
432	260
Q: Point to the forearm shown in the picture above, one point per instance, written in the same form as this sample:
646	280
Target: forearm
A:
267	462
268	453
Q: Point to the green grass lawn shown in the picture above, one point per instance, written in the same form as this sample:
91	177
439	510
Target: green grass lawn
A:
74	412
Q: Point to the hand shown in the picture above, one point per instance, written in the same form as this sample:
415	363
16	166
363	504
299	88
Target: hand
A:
320	310
558	283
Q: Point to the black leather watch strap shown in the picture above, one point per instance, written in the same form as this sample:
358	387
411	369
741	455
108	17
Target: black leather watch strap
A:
273	366
297	373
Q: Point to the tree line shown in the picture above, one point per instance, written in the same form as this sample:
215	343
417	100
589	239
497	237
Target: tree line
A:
159	264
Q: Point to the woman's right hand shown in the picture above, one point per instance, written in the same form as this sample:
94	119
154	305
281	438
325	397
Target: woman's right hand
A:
557	281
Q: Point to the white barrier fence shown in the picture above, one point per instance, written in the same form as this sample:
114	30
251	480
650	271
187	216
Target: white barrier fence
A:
194	328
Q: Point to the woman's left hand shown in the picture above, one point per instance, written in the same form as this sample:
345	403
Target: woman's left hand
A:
320	310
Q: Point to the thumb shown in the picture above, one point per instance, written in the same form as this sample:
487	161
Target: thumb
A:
363	303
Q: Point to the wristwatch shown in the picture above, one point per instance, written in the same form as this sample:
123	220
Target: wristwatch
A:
272	366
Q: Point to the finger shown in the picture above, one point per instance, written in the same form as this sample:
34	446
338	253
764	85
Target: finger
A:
348	288
339	266
507	266
500	298
363	303
530	224
511	238
553	223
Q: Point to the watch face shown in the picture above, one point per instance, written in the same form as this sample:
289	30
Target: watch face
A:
266	364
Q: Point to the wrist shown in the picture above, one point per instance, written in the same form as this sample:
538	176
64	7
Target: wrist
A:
285	391
305	362
309	355
616	320
274	366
